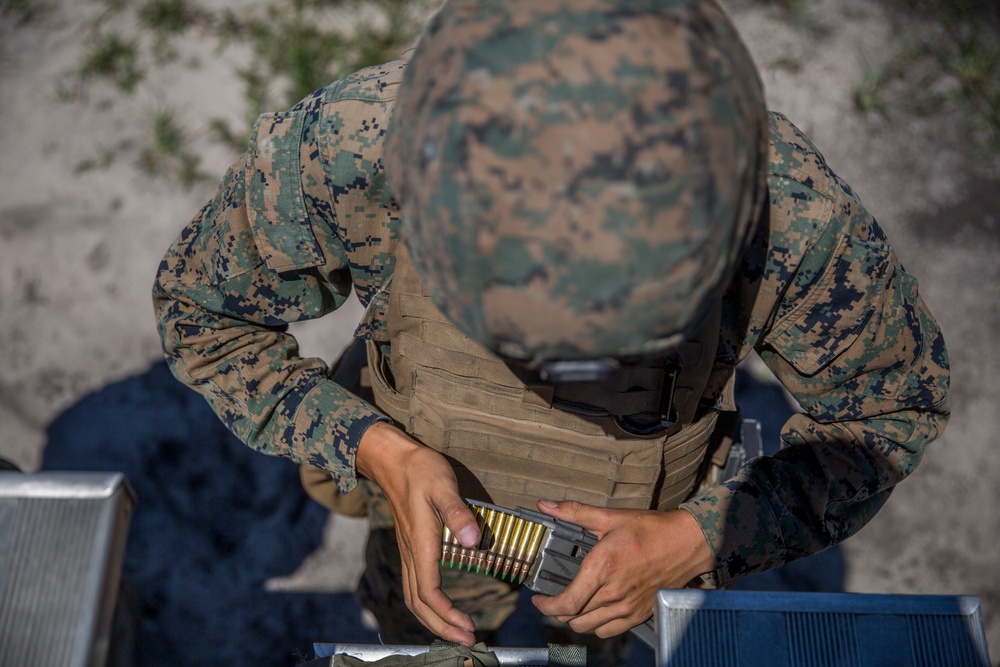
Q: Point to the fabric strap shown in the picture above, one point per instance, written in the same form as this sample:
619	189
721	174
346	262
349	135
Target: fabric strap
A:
439	654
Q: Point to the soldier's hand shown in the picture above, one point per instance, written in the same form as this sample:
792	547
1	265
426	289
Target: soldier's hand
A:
638	553
422	491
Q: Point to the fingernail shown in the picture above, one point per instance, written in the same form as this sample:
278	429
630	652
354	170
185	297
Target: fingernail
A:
468	536
548	504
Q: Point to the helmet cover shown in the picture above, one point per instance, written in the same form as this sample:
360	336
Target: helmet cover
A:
578	178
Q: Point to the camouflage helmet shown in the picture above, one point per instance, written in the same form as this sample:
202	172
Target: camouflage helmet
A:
577	178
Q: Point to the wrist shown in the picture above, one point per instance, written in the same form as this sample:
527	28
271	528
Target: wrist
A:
701	556
381	448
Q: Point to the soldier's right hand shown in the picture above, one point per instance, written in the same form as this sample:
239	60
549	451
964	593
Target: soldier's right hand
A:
422	491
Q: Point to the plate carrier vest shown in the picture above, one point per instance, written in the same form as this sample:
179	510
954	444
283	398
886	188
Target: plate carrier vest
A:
513	439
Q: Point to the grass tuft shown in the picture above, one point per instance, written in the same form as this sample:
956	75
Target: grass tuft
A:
167	16
20	11
114	58
295	47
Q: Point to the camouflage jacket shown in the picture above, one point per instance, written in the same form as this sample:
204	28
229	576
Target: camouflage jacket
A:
306	215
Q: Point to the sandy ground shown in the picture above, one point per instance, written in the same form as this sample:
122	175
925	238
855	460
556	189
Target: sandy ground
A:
78	253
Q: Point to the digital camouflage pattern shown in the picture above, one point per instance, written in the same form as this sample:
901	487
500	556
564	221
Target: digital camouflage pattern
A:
302	218
822	298
567	166
305	214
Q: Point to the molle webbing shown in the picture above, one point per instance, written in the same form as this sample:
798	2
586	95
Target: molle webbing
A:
435	343
507	443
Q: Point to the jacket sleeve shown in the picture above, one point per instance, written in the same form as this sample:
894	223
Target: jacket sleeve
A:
850	337
264	252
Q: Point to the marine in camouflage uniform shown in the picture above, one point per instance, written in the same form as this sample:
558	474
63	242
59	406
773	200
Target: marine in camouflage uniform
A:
803	274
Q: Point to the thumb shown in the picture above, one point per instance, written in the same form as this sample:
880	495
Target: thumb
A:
591	517
459	519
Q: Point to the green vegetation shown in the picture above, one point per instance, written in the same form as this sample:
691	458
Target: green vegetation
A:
952	56
976	65
114	58
786	62
302	45
19	11
955	58
168	151
798	10
295	47
871	95
168	16
105	159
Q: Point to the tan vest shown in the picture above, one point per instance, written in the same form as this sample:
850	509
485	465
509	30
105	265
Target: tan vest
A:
511	443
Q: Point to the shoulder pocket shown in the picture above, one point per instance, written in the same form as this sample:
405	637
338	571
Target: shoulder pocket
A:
824	324
276	207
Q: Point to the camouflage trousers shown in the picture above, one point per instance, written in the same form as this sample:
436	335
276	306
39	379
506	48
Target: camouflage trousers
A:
489	601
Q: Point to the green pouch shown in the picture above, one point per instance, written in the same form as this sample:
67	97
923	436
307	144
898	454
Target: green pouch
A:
439	654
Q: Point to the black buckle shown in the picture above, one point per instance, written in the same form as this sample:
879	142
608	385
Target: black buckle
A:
668	413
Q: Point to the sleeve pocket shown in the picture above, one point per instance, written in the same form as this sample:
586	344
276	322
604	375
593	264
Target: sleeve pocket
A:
276	207
824	324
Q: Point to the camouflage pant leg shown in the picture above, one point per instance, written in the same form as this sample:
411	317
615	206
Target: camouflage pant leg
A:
487	600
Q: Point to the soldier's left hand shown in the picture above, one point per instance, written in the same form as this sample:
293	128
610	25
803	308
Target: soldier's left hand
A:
638	553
